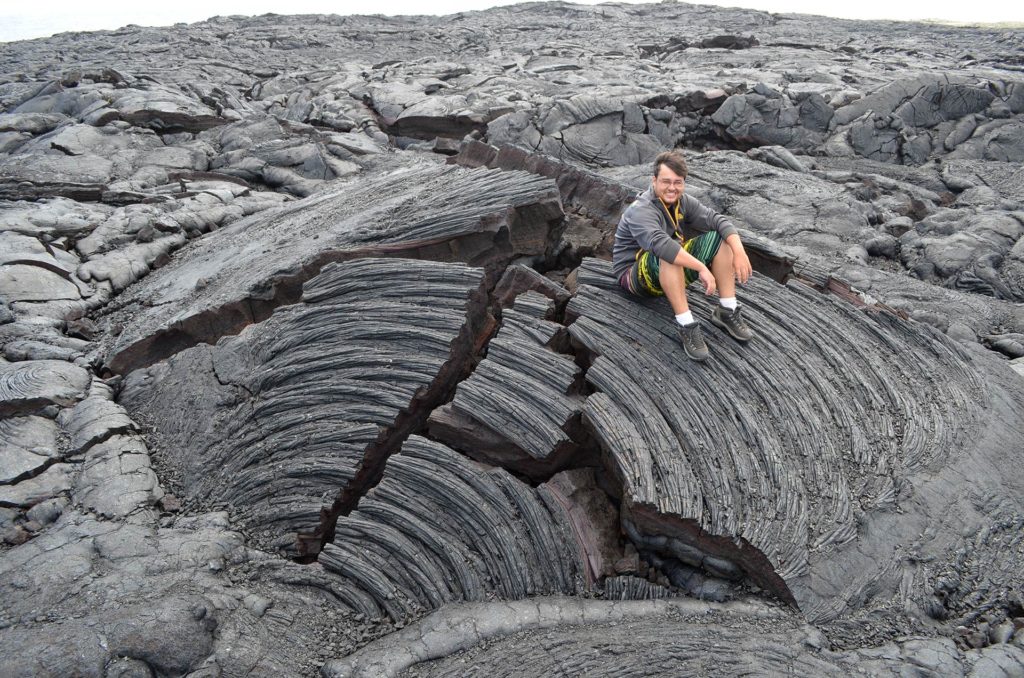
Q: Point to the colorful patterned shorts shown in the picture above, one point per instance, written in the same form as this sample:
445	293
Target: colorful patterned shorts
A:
642	277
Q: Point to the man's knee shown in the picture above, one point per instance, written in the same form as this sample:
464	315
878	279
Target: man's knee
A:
669	268
723	254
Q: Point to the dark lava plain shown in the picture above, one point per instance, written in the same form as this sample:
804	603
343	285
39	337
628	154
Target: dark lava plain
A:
312	363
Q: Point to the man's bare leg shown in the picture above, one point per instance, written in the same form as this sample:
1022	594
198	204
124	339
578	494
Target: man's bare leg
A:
727	316
673	283
672	279
721	268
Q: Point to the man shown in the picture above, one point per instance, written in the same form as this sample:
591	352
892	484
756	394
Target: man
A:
651	257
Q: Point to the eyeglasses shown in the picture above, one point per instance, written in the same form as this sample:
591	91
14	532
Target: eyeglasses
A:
678	183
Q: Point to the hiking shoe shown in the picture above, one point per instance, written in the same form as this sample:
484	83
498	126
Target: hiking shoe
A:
733	323
692	339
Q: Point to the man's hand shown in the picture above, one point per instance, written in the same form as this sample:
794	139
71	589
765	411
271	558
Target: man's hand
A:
741	264
708	280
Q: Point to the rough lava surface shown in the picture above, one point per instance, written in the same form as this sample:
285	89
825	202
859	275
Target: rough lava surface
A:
312	363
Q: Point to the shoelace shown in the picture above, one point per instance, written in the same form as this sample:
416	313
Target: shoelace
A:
695	336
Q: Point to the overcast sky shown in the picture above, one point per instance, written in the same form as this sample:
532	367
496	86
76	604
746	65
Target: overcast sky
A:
21	19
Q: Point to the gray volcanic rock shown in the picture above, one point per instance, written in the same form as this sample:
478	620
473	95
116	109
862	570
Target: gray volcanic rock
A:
164	635
184	601
28	387
289	157
369	365
29	282
516	410
479	217
976	252
387	351
587	129
53	481
642	639
446	634
831	501
915	119
830	214
766	117
31	123
27	444
116	478
94	419
452	532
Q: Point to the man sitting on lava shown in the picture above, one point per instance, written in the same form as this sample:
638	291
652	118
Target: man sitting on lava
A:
651	257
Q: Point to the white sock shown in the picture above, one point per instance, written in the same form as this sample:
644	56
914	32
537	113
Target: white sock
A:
728	302
685	318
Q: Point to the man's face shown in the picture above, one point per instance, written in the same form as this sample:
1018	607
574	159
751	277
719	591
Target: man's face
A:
668	185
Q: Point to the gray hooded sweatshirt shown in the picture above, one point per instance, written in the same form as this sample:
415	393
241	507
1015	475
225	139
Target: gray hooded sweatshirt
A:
646	225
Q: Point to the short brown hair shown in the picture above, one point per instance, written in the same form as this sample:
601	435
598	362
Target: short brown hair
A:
674	160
